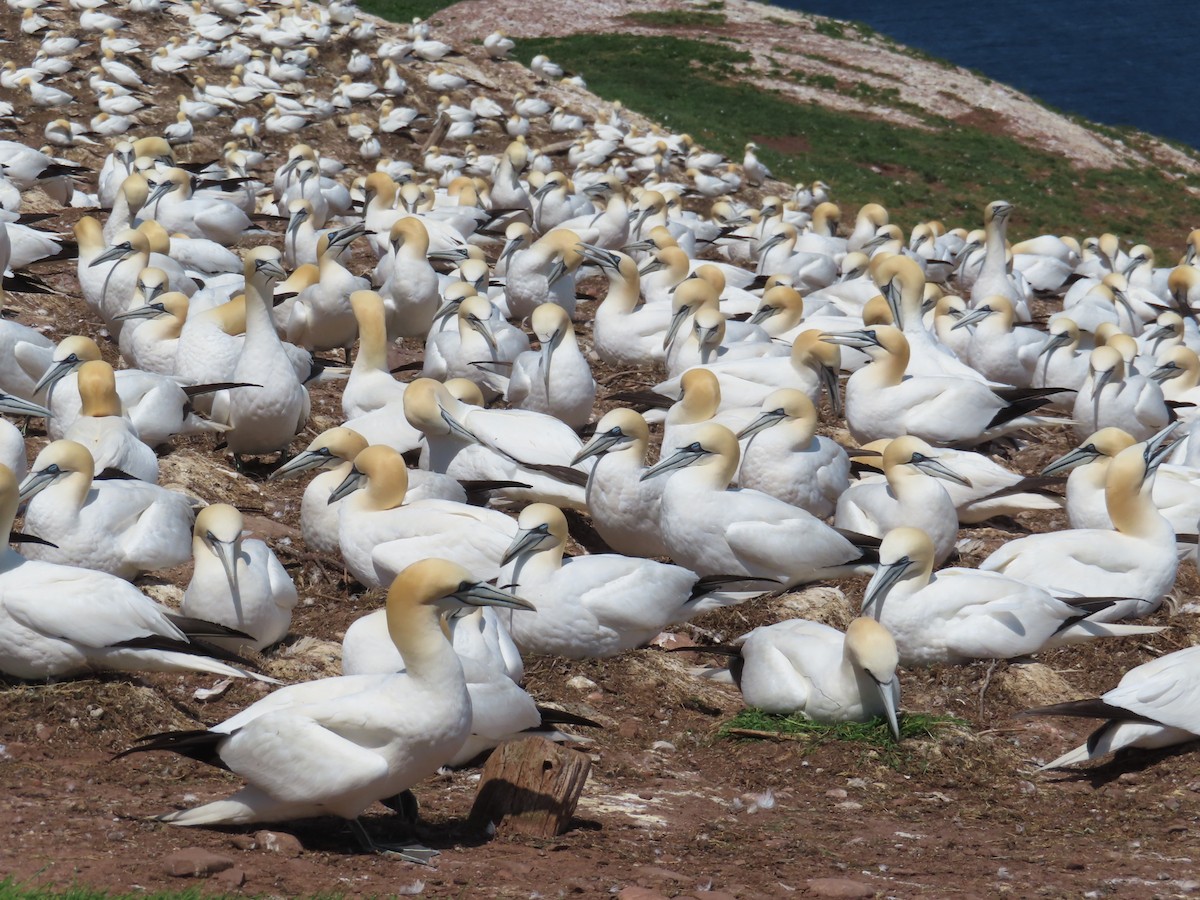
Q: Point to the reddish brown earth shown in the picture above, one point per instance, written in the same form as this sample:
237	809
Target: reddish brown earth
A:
672	808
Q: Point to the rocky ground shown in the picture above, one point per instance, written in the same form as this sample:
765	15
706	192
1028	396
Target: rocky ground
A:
672	809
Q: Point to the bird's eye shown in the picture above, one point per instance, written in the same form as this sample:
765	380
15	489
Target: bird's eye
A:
52	469
778	412
616	431
694	447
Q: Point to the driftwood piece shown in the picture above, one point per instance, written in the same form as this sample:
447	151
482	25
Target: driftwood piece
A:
531	786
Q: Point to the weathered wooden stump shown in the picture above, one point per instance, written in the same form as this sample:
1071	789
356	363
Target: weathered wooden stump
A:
531	786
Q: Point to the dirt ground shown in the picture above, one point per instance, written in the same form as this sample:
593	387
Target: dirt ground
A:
671	809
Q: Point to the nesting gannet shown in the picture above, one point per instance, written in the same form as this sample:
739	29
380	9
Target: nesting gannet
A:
1061	363
623	508
57	621
745	383
379	533
265	416
624	333
994	278
109	437
556	380
805	667
409	282
371	385
152	346
120	527
158	406
786	458
699	403
1154	705
543	273
715	530
320	317
481	341
999	350
1136	560
1112	397
1176	491
913	495
882	402
236	582
355	738
596	605
334	450
470	444
956	615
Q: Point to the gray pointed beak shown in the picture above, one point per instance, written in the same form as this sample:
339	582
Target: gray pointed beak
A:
557	271
938	470
856	339
298	218
762	423
36	482
1078	456
762	314
681	459
677	319
486	595
829	380
509	249
452	255
544	356
351	483
1059	340
1101	380
884	579
449	308
1158	446
159	191
889	704
478	325
651	265
149	311
343	237
637	246
599	445
527	540
55	373
15	406
271	268
975	315
227	553
458	428
1166	372
118	252
302	462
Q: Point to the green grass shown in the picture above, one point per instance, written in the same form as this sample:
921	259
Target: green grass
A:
676	18
404	11
14	890
876	733
949	172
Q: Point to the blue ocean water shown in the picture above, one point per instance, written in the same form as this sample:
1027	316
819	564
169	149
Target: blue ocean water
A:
1116	63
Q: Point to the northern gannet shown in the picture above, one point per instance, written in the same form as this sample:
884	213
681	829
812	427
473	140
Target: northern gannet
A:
379	533
1154	705
805	667
237	582
355	738
957	615
57	621
715	530
786	458
912	495
1136	560
596	605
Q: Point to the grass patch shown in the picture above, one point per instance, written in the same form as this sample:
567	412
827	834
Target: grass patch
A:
949	172
13	890
677	18
876	733
404	11
830	28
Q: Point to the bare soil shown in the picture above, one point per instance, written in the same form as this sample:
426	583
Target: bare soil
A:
671	809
